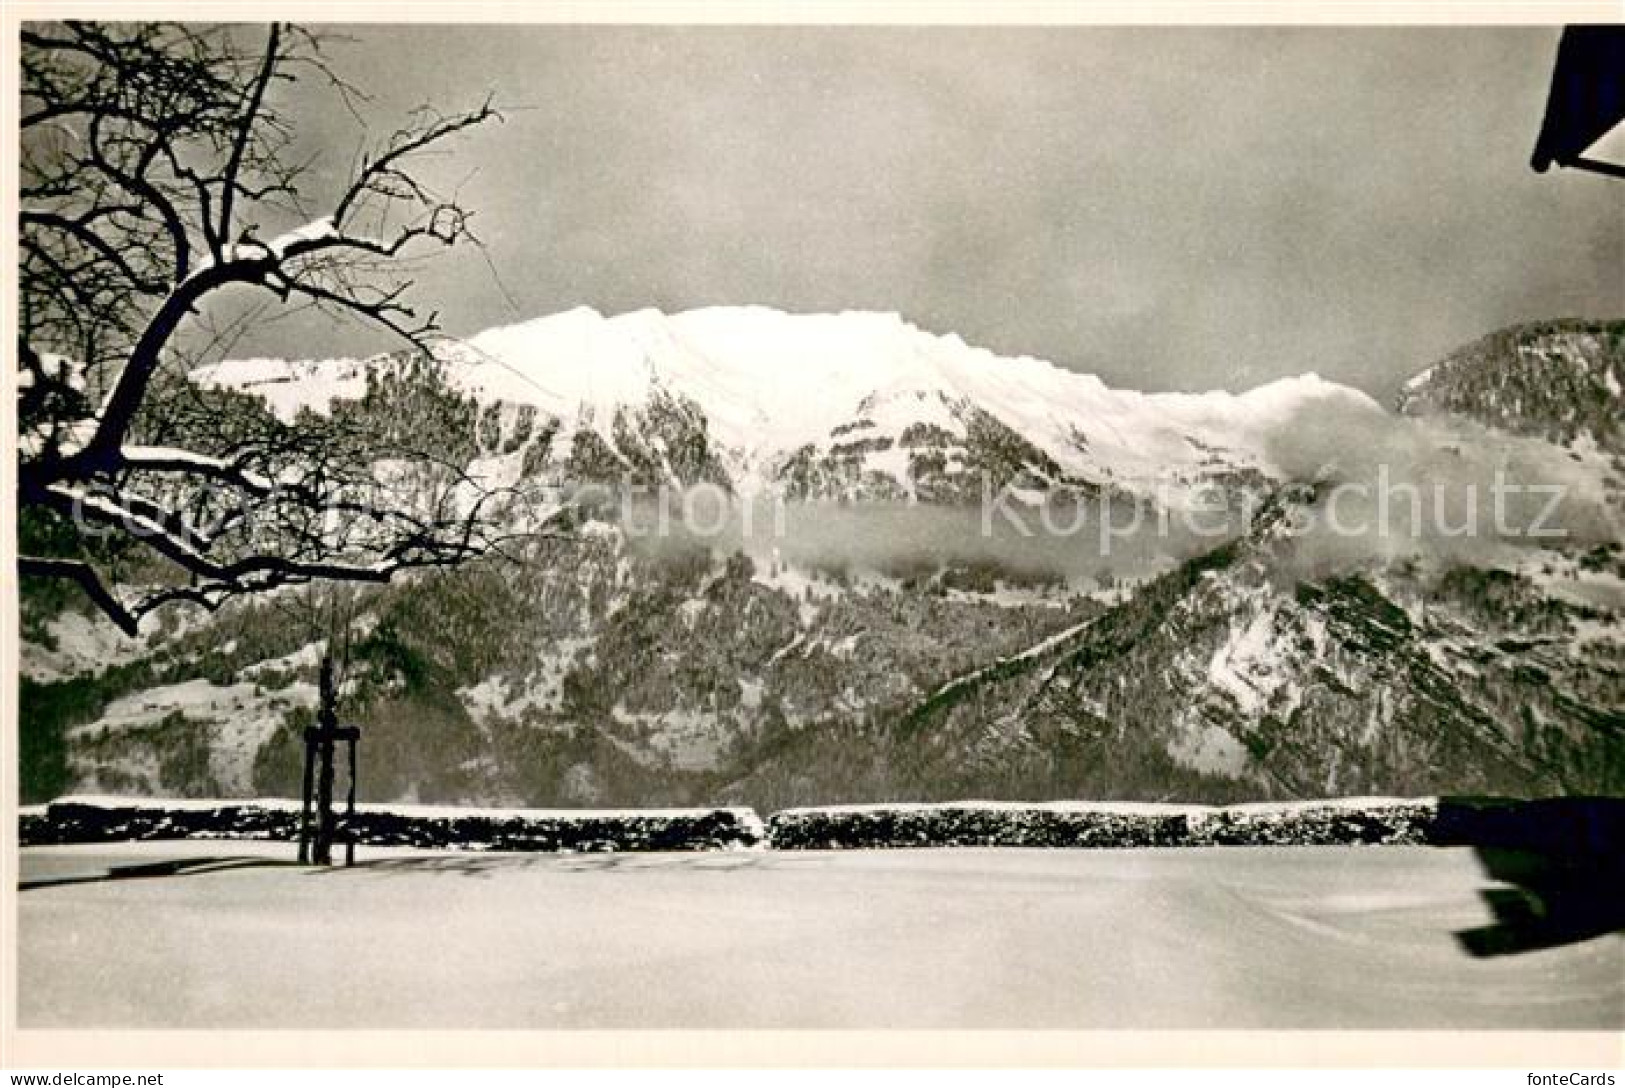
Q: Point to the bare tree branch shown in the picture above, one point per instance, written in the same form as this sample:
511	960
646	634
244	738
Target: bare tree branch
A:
152	155
245	133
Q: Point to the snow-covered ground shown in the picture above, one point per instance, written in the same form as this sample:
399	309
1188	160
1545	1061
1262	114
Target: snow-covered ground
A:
1250	938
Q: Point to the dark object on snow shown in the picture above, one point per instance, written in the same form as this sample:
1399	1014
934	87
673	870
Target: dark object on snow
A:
1587	99
145	870
1557	865
1546	899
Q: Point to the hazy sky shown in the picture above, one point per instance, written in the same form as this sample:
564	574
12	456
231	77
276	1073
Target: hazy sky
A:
1170	208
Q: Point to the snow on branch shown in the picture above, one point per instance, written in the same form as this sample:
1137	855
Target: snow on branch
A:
151	156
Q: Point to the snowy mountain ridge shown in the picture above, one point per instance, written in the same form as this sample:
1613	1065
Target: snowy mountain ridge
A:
769	387
876	654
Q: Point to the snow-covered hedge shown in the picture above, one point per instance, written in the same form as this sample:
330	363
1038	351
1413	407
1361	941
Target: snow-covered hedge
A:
121	819
111	819
1590	826
977	823
559	829
1575	825
1066	823
1345	821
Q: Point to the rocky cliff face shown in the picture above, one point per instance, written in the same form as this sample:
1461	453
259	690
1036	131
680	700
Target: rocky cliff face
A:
1233	676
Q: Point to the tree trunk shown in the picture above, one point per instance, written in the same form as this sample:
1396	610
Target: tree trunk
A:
327	724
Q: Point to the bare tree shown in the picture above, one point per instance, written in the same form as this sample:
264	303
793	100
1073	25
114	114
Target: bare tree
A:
158	176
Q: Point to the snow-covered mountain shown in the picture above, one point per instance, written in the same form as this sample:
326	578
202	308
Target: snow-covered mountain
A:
817	405
603	672
1563	381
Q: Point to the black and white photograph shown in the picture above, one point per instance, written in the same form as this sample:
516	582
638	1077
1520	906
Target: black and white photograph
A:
746	524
